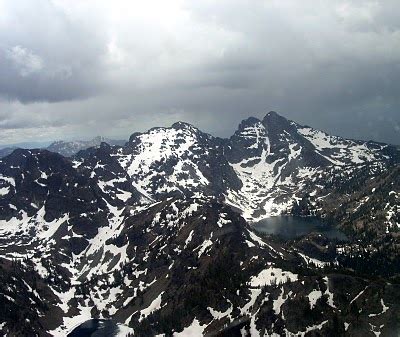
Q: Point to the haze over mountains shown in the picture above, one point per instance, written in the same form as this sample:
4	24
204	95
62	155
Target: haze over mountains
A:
156	234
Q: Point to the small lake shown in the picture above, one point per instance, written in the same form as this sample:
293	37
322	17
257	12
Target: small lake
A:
95	328
290	227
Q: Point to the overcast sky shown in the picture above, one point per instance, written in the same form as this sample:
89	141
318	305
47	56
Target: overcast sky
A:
76	69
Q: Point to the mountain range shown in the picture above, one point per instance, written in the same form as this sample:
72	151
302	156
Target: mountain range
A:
66	148
159	234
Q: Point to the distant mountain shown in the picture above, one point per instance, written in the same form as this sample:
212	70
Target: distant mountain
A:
6	151
157	234
70	148
65	148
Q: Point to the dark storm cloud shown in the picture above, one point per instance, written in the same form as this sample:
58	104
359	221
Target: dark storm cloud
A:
82	68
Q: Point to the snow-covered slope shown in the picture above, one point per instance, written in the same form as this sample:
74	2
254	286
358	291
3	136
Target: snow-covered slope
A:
341	151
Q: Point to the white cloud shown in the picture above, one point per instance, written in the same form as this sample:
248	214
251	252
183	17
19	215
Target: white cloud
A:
25	60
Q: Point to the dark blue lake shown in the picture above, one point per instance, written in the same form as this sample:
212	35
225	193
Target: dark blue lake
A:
290	227
95	328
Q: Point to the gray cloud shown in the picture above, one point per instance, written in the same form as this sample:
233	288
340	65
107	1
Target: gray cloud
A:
79	69
47	54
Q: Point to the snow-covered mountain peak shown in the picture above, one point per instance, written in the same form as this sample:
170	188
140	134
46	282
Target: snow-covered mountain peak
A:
279	128
273	115
184	126
160	143
168	135
248	142
176	160
277	158
248	122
